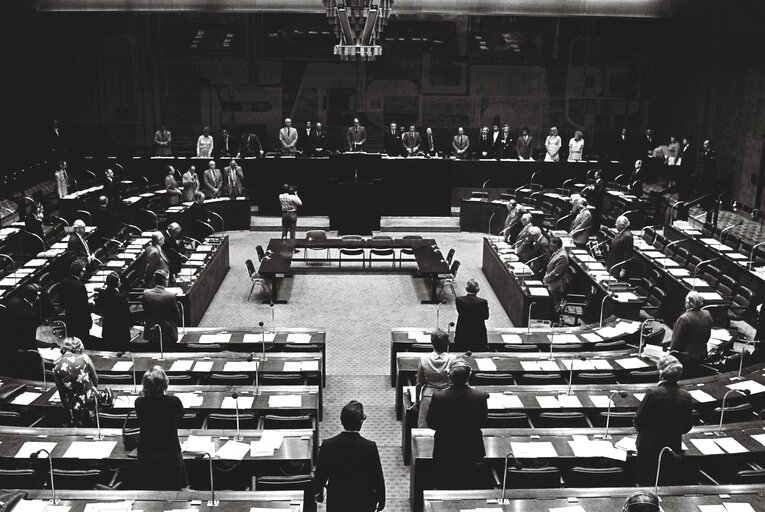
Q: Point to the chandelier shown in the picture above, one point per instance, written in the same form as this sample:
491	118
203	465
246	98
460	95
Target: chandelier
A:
358	24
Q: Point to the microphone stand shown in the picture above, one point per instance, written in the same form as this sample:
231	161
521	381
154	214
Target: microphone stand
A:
36	455
528	325
13	268
552	337
161	346
744	392
42	366
235	396
611	295
212	502
751	254
508	456
608	412
658	467
696	268
741	361
619	264
642	326
99	436
523	276
571	373
491	217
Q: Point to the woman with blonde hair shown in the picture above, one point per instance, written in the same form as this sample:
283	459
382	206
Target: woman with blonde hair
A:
77	384
552	146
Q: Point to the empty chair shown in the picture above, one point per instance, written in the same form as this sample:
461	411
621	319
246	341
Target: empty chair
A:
230	379
649	235
540	378
732	241
711	274
566	419
618	418
82	479
518	347
314	236
707	230
190	420
181	380
660	242
282	379
508	419
690	265
382	252
450	256
643	286
492	379
749	476
276	421
260	252
740	303
408	252
255	278
115	420
594	378
533	478
642	376
352	252
20	479
566	347
681	255
652	307
725	286
596	477
11	419
216	420
201	347
734	413
609	345
448	280
288	483
121	378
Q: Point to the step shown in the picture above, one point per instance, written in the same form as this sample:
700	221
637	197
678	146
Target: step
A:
258	223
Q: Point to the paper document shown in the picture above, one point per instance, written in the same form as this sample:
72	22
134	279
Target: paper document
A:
30	447
258	449
707	446
485	364
100	506
752	386
549	366
602	364
538	291
181	365
285	401
738	507
601	401
259	338
215	338
190	399
531	366
592	337
631	363
26	398
298	338
122	366
627	444
511	339
597	449
240	366
233	450
272	438
125	402
292	366
199	444
730	445
309	366
533	450
701	396
639	396
563	338
35	506
572	508
90	449
569	401
245	402
548	402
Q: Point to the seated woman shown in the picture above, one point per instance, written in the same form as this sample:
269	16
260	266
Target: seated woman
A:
77	384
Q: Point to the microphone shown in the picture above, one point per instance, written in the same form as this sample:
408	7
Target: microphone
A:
611	295
491	217
741	361
518	465
35	456
655	234
729	228
619	264
658	467
523	276
485	182
531	180
250	359
438	314
751	254
592	248
744	392
528	324
629	212
212	502
161	346
132	357
696	268
613	392
571	373
552	337
449	330
642	327
99	436
564	217
273	321
263	335
235	396
566	183
183	316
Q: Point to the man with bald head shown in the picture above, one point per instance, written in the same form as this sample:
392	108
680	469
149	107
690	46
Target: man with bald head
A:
620	249
155	259
357	136
288	137
173	250
213	179
460	143
472	313
582	223
526	225
105	219
77	247
535	250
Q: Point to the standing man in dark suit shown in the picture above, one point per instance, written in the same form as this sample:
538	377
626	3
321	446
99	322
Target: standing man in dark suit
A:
111	186
392	141
485	144
77	247
621	248
173	250
538	251
411	141
155	259
74	298
318	141
663	416
690	335
622	147
557	273
457	415
472	311
356	136
249	145
304	143
349	466
233	180
504	147
160	308
198	211
56	144
112	303
686	160
105	219
496	135
19	331
225	145
524	146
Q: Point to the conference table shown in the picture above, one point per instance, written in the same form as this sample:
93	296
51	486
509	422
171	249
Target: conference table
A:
232	212
704	449
722	498
536	339
278	262
160	501
78	448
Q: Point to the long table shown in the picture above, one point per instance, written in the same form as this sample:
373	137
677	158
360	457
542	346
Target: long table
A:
157	501
499	442
428	257
603	499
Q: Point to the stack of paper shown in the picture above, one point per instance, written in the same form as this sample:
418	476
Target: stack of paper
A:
597	449
752	386
563	338
305	338
240	366
511	339
190	399
485	364
233	450
199	444
215	338
90	450
503	401
26	398
533	450
267	337
631	363
285	401
548	402
701	396
269	441
181	365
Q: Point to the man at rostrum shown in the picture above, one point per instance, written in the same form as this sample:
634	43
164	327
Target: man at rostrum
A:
392	141
472	311
457	415
350	468
356	136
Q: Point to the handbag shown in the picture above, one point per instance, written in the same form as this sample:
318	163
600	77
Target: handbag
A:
130	436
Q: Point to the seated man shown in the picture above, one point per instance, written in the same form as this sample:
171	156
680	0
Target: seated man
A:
160	309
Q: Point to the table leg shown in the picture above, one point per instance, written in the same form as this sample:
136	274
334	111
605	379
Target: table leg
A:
433	291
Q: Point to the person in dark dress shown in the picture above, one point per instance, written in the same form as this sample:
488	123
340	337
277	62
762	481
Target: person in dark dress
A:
690	335
663	416
20	322
160	463
457	415
115	313
470	332
77	383
621	248
350	468
74	299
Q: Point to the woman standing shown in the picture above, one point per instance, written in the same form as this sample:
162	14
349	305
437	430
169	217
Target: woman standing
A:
77	384
576	147
62	180
552	145
160	463
432	373
205	144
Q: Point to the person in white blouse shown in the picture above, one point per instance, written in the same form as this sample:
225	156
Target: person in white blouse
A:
576	147
552	145
205	144
432	374
62	179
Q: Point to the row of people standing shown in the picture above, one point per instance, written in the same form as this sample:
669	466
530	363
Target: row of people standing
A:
215	182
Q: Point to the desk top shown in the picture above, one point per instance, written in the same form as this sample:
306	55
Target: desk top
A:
253	336
158	501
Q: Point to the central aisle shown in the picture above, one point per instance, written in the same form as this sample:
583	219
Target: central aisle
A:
358	312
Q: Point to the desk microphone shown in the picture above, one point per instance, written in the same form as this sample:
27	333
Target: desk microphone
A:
212	502
741	361
613	392
250	359
608	295
642	334
531	180
564	217
35	456
619	264
518	465
571	372
696	268
449	330
99	435
751	254
552	341
491	217
658	466
235	396
132	357
161	346
744	392
263	335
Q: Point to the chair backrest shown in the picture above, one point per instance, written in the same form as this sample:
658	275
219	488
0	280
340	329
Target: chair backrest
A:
735	413
595	378
121	378
275	421
316	234
596	477
540	378
190	420
113	420
618	418
11	419
201	347
749	476
492	379
217	420
19	479
449	256
692	262
610	345
726	285
181	379
81	479
732	241
412	237
382	237
454	268
642	376
533	478
681	255
260	252
507	419
567	419
517	347
230	379
282	379
250	267
353	237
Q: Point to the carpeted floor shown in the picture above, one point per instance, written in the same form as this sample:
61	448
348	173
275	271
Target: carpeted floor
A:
358	311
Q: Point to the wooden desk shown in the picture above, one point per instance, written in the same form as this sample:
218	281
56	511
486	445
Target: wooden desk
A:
158	501
235	213
430	262
498	442
605	499
512	292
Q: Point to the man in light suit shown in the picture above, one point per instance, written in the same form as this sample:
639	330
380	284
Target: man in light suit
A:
457	415
318	141
349	466
411	142
557	273
155	259
472	312
77	247
233	180
288	137
357	136
522	226
213	179
582	223
430	142
460	143
163	139
392	141
160	307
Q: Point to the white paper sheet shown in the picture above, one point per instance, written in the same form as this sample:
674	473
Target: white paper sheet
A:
259	338
631	363
30	447
601	401
592	337
190	399
203	366
90	449
309	366
549	366
245	402
513	339
639	396
181	365
533	450
26	398
602	364
240	366
572	508
548	402
101	506
752	386
233	450
285	401
701	396
530	366
125	402
31	506
292	366
259	449
485	364
122	366
730	445
272	438
569	401
198	444
298	338
738	507
707	446
627	444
